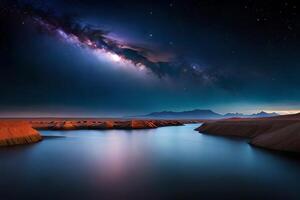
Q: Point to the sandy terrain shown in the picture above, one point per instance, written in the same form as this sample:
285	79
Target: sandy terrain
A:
17	132
71	124
14	132
277	133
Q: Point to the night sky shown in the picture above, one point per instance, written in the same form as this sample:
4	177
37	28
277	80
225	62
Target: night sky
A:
116	58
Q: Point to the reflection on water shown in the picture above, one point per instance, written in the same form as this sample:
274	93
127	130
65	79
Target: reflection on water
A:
158	163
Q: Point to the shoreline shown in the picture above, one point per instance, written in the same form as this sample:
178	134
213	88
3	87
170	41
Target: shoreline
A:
281	133
17	132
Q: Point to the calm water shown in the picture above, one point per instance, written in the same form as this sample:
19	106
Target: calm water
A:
168	162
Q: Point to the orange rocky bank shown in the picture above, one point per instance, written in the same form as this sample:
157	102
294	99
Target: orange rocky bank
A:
17	132
13	132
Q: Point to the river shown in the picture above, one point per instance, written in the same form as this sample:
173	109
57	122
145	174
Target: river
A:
163	163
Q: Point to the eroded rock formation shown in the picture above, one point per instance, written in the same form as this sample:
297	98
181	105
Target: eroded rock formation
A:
17	132
13	132
276	133
102	124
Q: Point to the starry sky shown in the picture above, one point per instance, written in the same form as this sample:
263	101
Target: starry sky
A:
117	58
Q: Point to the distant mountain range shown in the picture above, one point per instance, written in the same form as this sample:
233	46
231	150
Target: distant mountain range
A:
201	114
256	115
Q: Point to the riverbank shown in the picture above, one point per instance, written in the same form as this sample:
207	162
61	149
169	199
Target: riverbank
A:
25	131
81	124
17	132
277	133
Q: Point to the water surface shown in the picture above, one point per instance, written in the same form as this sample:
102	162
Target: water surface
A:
168	162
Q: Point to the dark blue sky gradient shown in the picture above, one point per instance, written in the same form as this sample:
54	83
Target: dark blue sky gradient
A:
247	52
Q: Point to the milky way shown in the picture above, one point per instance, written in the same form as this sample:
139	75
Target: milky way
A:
95	40
105	47
145	56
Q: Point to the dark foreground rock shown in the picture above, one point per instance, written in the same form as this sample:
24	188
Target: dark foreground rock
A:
276	133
